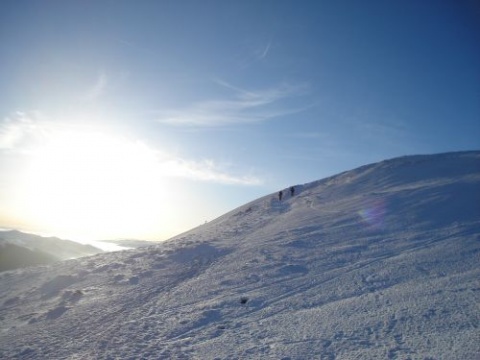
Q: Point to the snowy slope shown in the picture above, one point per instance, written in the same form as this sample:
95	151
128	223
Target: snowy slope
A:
381	262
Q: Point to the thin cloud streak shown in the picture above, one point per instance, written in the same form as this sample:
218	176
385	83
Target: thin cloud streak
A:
244	107
259	54
266	51
99	88
207	171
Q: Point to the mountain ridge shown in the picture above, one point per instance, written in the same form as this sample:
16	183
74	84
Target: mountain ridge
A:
24	249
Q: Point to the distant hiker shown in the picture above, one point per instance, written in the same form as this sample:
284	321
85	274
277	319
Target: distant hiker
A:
280	194
292	190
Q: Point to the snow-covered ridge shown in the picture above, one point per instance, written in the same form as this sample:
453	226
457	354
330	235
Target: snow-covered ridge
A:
381	262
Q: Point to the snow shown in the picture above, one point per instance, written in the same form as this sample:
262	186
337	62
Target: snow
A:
381	262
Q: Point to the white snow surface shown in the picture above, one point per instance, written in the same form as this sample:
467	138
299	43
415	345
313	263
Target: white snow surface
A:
381	262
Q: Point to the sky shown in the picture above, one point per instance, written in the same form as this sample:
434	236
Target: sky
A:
143	119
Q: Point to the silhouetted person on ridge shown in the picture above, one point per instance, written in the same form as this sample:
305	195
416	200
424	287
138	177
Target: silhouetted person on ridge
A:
280	194
292	190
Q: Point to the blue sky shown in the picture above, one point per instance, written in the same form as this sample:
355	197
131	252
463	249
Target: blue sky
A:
146	118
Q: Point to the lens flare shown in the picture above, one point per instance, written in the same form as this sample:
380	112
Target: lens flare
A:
373	214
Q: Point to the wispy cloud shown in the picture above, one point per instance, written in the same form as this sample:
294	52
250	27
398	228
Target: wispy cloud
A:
241	106
98	88
27	133
259	52
265	51
207	171
19	129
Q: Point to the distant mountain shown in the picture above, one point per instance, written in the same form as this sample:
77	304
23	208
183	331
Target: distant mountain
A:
381	262
18	249
14	257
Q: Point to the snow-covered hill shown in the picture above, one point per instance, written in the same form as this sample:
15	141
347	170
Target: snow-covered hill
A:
381	262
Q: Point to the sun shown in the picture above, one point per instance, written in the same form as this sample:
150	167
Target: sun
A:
92	184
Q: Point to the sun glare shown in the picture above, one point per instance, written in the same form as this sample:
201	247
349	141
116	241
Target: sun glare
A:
89	185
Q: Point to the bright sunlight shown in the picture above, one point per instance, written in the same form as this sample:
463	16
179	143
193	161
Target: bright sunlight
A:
90	184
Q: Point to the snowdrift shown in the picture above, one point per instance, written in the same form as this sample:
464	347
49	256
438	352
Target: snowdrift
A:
381	262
